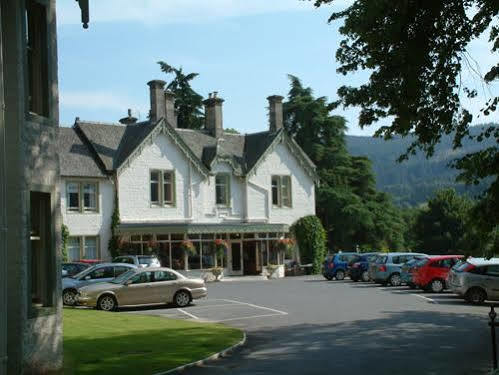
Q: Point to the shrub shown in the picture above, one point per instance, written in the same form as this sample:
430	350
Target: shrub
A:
64	243
311	238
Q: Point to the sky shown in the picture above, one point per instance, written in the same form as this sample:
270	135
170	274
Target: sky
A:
244	49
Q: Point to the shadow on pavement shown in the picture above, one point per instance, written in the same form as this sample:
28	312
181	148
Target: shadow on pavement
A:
408	343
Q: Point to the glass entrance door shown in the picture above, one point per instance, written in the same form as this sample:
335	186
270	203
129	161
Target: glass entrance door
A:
236	258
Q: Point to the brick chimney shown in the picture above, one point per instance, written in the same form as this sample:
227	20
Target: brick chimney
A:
157	95
275	113
129	119
171	115
213	115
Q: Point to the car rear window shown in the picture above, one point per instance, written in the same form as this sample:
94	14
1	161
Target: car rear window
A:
146	260
381	260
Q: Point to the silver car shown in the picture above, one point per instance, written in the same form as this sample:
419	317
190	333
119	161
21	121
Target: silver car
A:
143	286
476	280
139	260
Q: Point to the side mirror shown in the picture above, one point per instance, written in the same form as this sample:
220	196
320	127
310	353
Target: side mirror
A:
87	277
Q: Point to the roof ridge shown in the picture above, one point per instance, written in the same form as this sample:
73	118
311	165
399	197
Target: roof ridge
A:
85	122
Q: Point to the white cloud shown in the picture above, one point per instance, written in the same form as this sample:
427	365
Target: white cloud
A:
174	11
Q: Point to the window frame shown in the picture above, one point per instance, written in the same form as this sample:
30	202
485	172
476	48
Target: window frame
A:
227	178
281	186
81	209
162	202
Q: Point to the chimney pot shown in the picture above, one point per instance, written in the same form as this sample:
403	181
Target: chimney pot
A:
128	120
157	95
275	113
214	115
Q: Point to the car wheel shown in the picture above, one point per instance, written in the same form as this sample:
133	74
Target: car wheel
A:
182	298
395	280
69	297
340	275
107	303
476	296
437	286
329	277
365	276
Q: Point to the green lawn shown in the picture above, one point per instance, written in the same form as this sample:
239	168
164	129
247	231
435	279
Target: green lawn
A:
97	342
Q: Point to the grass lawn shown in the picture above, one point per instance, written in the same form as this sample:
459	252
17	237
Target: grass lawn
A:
97	342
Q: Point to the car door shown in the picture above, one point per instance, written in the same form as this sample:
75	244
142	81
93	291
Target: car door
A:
138	291
492	281
164	287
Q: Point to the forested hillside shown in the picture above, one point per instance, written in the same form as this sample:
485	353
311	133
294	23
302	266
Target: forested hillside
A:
414	181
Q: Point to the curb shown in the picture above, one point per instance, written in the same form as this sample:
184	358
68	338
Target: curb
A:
202	361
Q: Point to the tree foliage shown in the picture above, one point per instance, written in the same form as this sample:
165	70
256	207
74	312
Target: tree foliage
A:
114	241
311	238
353	212
415	51
188	103
64	242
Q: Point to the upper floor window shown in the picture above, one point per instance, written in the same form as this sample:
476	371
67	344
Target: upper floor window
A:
222	189
162	188
37	56
82	196
281	191
83	247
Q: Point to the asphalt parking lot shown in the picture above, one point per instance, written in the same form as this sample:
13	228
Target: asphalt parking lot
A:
307	325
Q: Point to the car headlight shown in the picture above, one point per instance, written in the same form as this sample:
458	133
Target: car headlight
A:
82	294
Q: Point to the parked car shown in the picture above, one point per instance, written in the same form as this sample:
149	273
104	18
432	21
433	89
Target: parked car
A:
409	268
359	270
72	268
433	272
476	280
387	267
139	260
143	287
336	265
95	274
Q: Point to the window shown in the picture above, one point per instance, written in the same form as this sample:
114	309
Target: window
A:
493	270
143	277
222	189
281	191
119	270
37	56
82	197
162	188
83	247
164	276
102	273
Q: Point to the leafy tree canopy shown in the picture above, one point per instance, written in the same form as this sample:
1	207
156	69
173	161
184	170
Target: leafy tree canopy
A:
415	51
188	103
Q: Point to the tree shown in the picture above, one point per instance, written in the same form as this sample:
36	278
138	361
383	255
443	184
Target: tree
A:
188	103
415	51
311	238
352	211
441	228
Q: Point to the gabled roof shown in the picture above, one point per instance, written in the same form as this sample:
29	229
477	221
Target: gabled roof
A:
108	148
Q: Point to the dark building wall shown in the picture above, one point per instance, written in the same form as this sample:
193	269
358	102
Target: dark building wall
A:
34	333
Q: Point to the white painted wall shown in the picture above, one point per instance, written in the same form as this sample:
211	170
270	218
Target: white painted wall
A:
280	162
91	224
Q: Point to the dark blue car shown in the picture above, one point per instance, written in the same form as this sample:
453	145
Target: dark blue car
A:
336	265
359	270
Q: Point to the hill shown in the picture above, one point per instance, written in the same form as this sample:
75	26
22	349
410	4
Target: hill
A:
414	181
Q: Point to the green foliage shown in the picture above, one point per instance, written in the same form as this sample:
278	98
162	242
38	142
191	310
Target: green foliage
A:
231	131
64	242
114	241
440	228
415	52
311	238
188	103
352	211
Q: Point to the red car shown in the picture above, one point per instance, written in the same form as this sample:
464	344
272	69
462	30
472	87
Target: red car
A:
432	275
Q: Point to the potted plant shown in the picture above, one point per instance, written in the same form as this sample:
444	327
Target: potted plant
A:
272	271
217	272
285	244
188	247
152	246
221	247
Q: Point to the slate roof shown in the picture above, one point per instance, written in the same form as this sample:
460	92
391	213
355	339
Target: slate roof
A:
94	149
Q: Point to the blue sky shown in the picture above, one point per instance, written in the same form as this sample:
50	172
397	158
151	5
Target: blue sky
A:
242	49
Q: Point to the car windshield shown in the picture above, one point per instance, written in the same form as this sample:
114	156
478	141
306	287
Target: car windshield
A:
123	277
83	273
460	267
145	260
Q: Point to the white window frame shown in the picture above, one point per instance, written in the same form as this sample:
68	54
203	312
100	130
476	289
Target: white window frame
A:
227	178
82	245
280	191
81	197
162	202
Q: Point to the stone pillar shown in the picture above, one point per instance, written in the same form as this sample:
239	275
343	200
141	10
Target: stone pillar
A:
275	113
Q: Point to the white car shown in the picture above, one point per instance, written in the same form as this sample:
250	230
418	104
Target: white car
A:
140	261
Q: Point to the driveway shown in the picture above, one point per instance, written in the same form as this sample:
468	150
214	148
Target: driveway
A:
307	325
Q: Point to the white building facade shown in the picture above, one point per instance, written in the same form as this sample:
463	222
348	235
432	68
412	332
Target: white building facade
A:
176	188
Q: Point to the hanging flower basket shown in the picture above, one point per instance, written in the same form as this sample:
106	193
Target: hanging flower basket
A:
221	247
285	244
188	247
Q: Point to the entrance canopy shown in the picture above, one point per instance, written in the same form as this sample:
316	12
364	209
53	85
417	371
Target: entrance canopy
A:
168	228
